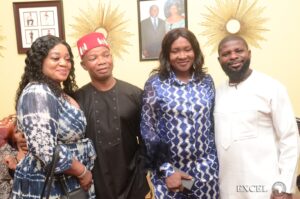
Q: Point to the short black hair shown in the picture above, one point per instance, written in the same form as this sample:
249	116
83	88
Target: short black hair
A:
231	38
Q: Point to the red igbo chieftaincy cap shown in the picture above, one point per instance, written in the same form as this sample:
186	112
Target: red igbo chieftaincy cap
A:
90	41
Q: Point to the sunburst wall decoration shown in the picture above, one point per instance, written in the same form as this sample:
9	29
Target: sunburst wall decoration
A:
107	20
1	39
234	17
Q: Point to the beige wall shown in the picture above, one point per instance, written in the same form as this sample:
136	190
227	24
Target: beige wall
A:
278	56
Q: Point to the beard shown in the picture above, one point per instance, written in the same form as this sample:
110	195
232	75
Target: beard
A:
239	75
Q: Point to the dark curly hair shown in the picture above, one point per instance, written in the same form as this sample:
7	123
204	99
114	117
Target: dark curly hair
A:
34	65
164	67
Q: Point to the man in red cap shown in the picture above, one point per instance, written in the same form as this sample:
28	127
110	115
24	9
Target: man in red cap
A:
112	109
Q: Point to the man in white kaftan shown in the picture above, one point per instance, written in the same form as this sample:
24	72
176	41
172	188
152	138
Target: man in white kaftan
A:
255	128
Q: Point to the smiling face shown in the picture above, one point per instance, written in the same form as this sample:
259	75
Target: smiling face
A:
98	62
181	58
57	64
234	57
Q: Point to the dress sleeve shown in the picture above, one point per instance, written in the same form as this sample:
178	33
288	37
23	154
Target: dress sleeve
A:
286	129
158	154
38	115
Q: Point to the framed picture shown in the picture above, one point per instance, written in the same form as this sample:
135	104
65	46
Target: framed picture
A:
36	19
155	19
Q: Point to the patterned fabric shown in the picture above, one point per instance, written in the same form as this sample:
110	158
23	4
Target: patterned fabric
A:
113	123
47	121
5	178
180	115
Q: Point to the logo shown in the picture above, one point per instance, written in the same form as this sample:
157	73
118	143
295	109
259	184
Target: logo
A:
251	188
278	189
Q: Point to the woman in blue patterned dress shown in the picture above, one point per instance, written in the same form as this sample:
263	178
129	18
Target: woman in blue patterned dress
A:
177	121
48	116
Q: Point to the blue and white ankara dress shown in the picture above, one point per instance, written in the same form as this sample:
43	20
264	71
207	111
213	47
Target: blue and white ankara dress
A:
180	116
46	121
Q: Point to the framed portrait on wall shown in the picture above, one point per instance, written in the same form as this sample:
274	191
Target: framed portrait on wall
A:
155	19
36	19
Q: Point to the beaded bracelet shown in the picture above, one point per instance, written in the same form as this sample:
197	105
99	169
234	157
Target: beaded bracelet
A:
83	173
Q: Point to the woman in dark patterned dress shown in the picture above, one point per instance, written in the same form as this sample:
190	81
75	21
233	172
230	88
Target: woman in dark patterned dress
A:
177	121
48	116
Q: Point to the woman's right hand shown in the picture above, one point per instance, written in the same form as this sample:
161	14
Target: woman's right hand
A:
174	181
86	180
